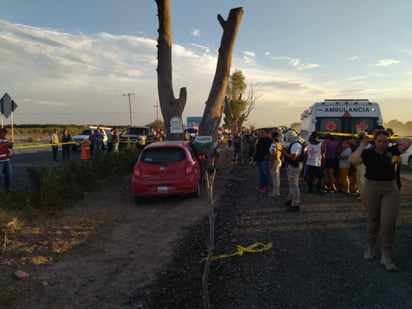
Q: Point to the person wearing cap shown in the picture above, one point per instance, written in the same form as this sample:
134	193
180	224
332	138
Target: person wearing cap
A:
293	155
380	194
5	164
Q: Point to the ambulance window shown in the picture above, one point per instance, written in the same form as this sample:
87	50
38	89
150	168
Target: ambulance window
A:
364	124
330	124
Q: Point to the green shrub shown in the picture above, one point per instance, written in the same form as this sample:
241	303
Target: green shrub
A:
58	186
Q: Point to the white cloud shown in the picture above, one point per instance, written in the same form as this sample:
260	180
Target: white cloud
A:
249	57
296	63
204	48
386	62
195	32
354	58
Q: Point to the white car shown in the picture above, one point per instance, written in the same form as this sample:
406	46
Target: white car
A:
407	157
84	136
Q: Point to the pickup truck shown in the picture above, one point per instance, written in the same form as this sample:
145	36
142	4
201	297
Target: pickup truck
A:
132	136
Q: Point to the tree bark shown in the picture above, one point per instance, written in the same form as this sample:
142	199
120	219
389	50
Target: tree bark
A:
169	105
213	111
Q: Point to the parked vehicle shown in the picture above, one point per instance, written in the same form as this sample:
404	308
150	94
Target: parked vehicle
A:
85	134
407	156
347	116
132	136
167	168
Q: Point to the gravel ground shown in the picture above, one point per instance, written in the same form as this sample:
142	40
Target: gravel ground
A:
315	262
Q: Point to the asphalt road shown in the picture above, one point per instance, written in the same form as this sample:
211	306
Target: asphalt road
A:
21	161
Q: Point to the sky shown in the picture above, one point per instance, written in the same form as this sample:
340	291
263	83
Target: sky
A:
74	62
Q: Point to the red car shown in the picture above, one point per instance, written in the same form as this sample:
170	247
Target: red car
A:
167	168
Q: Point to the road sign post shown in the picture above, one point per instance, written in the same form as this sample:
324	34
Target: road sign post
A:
7	107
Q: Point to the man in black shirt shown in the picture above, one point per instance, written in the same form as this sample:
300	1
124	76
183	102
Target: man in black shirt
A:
262	160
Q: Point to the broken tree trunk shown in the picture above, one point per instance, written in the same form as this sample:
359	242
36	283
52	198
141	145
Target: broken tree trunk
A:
213	111
169	105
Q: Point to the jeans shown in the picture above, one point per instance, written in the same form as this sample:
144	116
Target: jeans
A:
55	149
237	153
275	172
5	168
264	173
314	172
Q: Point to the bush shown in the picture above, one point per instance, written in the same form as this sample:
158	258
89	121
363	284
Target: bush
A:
57	186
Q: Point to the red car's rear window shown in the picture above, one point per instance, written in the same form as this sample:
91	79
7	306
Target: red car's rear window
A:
163	155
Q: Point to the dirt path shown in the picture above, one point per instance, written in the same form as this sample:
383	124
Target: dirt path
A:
95	254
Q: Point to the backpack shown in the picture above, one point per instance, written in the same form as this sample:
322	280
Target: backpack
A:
302	156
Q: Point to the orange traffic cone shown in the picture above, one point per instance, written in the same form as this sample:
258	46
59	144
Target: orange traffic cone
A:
85	151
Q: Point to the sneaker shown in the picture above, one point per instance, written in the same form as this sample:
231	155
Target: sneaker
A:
263	189
369	254
387	261
273	194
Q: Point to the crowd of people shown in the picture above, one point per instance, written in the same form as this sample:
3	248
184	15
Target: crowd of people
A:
366	166
96	141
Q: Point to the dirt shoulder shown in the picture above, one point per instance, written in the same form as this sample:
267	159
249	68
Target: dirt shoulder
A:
97	253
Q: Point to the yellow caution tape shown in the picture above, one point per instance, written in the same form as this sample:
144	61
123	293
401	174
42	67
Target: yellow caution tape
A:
351	134
254	248
40	145
343	134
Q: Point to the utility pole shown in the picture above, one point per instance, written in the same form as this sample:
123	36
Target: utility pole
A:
130	107
157	113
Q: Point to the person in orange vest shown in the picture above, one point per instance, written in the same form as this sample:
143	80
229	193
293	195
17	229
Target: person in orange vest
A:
85	151
5	164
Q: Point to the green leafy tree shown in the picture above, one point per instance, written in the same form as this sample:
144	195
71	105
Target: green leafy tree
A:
239	102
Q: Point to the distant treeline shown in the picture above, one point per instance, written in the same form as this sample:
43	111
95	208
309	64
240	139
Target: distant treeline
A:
73	129
400	128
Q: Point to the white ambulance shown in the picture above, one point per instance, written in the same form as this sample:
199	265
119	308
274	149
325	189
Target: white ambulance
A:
345	116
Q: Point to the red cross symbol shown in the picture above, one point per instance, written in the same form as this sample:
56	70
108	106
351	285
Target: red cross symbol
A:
312	152
362	126
330	126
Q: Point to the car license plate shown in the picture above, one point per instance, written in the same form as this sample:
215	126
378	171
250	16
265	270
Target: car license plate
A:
161	189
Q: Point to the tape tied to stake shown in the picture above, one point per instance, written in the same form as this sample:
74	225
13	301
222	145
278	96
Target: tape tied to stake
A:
254	248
